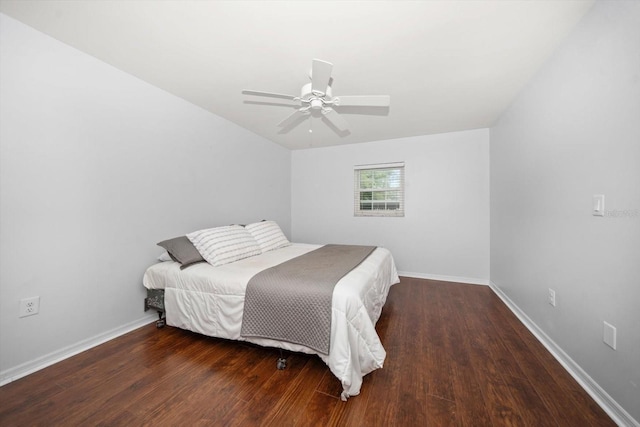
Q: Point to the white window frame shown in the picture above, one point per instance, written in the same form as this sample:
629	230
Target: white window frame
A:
396	192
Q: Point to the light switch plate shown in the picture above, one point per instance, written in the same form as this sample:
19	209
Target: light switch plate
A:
598	205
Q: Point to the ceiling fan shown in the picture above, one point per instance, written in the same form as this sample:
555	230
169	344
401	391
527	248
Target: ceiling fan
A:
316	97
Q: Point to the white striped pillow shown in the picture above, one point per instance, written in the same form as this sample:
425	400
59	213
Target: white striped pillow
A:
268	235
223	245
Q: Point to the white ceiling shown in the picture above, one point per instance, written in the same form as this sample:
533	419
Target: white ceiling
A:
447	65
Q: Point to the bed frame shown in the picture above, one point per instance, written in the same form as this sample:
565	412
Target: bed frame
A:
155	300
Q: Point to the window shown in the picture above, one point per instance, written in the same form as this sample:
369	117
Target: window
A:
379	190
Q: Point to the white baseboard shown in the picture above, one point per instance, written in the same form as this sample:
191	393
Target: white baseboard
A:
468	280
42	362
602	398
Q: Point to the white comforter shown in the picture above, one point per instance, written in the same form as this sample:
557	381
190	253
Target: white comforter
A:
210	300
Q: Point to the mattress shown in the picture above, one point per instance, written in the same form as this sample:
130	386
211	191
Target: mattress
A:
210	300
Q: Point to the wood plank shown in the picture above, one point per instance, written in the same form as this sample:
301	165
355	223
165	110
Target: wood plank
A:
497	396
291	408
465	382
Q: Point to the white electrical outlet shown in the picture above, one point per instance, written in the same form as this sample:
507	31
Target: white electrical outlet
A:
609	335
552	297
29	306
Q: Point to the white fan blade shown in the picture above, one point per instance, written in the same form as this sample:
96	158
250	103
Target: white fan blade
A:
293	117
320	75
362	101
335	119
269	94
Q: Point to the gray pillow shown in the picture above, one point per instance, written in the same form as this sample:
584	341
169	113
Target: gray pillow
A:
181	250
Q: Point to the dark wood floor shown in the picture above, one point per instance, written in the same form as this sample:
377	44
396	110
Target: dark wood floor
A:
455	356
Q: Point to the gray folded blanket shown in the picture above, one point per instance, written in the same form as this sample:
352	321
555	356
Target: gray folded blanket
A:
292	301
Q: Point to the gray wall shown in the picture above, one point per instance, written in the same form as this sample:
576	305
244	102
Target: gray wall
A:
575	132
445	231
97	166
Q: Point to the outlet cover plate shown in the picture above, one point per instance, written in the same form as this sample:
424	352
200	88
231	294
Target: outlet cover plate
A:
29	306
609	335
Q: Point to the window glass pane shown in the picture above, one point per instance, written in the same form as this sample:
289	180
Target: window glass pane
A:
380	178
366	179
394	178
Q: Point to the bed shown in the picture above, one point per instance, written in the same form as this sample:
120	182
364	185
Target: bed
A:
210	300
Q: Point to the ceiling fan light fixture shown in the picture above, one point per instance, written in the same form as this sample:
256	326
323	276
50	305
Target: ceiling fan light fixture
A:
317	103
